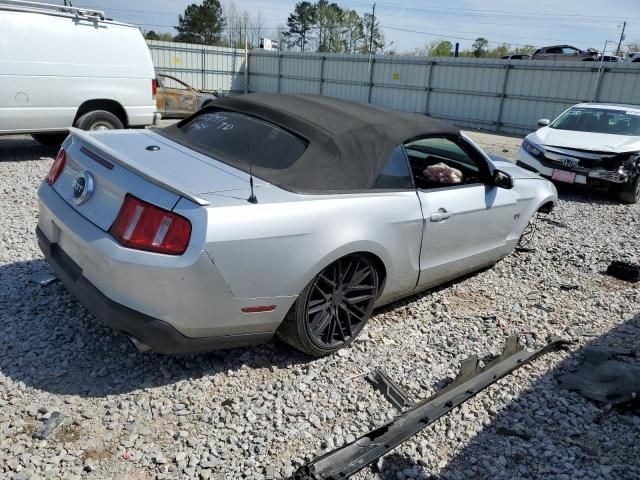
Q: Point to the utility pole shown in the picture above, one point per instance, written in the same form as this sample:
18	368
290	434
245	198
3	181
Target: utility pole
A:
624	25
373	24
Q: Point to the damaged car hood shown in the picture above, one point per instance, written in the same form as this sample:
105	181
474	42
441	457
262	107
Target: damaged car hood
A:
596	142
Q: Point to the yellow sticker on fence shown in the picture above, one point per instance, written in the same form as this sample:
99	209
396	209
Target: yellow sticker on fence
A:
395	76
176	60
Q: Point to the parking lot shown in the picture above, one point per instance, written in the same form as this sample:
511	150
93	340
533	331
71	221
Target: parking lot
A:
262	412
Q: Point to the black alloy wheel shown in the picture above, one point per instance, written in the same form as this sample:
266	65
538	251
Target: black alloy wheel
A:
333	308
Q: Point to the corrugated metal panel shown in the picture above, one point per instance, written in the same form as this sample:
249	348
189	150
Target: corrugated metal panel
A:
201	66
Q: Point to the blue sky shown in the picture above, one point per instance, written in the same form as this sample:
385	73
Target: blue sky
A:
412	24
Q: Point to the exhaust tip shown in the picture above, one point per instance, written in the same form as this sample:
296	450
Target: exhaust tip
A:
138	344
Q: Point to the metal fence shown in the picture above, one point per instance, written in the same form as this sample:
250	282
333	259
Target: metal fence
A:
474	93
491	94
201	66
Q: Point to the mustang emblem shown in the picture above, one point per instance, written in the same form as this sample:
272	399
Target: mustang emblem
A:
82	188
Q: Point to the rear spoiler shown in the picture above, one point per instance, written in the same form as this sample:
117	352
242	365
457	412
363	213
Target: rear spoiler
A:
116	158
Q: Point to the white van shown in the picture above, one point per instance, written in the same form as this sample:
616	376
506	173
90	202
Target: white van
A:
64	66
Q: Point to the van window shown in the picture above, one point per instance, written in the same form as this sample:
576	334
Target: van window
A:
241	140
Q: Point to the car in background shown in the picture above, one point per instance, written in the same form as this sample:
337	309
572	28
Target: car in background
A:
633	57
564	53
591	144
270	214
177	99
64	67
517	56
609	58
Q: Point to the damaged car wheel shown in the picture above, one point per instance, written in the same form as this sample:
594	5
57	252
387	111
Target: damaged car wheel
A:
333	308
630	192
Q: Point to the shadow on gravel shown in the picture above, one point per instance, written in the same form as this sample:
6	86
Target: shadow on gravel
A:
23	147
546	433
50	342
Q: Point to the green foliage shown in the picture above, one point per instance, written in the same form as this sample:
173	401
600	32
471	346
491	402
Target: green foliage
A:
328	27
165	37
480	47
201	23
300	23
439	48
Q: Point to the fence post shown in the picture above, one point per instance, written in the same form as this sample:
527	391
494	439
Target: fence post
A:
373	63
503	94
432	65
599	78
322	74
279	71
204	75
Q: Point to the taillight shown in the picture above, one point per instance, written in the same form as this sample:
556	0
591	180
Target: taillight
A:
154	87
144	226
57	167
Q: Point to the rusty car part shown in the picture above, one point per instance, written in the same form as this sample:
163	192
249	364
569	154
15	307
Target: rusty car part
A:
347	460
177	99
624	271
394	394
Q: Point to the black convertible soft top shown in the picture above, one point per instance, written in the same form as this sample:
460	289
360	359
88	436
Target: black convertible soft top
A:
349	143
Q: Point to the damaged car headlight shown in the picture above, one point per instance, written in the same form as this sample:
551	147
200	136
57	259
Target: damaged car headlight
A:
532	148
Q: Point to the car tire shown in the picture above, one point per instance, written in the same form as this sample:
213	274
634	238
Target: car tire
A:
99	120
341	298
630	192
50	139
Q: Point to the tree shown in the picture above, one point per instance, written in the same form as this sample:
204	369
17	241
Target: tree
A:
378	37
499	51
353	30
201	23
526	50
165	37
633	47
480	47
299	24
439	48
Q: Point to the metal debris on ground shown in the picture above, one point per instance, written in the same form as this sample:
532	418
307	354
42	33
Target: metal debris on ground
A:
624	271
473	378
43	278
394	394
555	223
603	379
51	425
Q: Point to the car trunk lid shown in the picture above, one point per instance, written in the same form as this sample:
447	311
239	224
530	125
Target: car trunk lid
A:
142	164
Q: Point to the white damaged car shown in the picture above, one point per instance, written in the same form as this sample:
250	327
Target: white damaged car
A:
593	144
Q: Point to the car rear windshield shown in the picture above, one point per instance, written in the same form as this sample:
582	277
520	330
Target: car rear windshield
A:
599	120
241	140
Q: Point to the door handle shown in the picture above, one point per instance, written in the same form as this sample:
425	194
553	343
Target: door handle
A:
440	215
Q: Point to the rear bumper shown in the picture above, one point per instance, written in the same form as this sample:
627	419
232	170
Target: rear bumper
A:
159	335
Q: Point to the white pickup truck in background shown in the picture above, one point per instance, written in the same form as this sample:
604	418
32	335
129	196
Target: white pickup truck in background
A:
64	66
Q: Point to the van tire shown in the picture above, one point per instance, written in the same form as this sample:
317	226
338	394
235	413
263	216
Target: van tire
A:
99	120
49	139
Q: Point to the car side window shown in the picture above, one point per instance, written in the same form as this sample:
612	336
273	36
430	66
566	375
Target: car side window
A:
396	174
569	51
438	162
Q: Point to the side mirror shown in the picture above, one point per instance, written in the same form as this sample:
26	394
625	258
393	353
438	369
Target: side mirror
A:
502	180
543	122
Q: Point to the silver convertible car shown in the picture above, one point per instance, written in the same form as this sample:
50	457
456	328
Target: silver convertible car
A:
263	215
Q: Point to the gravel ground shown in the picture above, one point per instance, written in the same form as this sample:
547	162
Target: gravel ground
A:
261	412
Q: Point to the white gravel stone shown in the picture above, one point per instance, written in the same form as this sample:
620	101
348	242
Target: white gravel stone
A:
262	412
